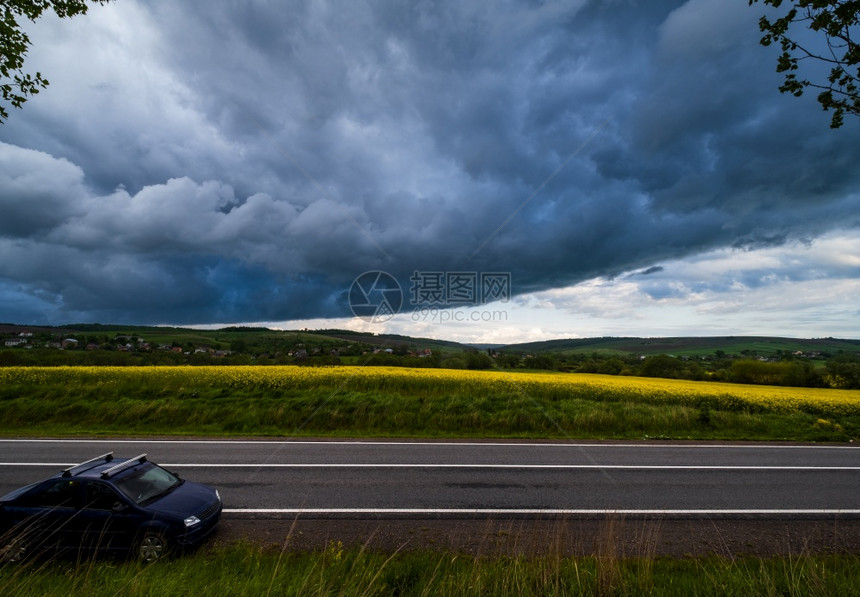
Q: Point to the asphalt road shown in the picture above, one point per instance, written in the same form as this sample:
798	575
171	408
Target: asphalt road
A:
471	479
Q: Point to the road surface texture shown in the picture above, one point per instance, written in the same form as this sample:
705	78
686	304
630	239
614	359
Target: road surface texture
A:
505	497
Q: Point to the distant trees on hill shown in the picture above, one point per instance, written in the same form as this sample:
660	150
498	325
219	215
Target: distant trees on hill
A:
811	369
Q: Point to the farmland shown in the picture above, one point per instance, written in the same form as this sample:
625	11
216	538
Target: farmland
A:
397	401
428	402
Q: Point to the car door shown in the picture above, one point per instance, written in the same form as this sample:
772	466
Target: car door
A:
111	522
47	514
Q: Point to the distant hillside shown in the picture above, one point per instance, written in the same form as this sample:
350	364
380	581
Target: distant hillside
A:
227	335
692	346
589	345
391	339
265	340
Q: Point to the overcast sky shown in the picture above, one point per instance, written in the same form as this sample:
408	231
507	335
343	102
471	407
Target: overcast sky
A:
629	164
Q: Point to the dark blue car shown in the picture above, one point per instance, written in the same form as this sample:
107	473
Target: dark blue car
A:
108	504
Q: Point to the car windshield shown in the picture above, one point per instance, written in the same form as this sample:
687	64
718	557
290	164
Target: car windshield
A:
147	482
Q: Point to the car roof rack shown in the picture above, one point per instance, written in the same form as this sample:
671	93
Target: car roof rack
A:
123	465
79	468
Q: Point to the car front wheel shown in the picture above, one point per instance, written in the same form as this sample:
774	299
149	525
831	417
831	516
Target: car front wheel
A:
16	550
152	546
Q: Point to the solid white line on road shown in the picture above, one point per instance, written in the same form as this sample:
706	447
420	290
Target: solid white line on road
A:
659	467
636	444
534	511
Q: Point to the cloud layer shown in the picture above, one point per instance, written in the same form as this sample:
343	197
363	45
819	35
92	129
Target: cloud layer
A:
209	162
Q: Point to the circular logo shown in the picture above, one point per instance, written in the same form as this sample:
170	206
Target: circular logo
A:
375	296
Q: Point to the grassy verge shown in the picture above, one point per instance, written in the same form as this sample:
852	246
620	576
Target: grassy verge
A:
397	402
247	569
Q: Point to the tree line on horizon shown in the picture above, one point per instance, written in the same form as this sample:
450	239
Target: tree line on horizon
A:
785	368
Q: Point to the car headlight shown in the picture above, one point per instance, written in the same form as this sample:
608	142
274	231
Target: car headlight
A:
191	521
217	495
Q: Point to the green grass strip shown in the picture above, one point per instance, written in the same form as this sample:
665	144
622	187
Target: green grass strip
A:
246	569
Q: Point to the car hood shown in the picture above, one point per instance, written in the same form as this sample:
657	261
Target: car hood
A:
186	500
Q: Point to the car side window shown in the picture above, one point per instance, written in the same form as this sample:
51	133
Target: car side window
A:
100	496
60	494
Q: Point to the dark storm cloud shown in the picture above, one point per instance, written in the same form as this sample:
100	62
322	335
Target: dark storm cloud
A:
198	162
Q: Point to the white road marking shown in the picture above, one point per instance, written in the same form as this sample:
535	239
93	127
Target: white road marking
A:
427	443
534	512
667	467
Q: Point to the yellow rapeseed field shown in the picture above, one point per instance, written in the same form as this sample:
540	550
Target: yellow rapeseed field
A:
539	386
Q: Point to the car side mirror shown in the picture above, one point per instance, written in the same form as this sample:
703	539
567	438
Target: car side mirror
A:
119	507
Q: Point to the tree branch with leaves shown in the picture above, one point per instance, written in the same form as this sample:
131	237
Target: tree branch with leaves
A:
16	86
836	21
